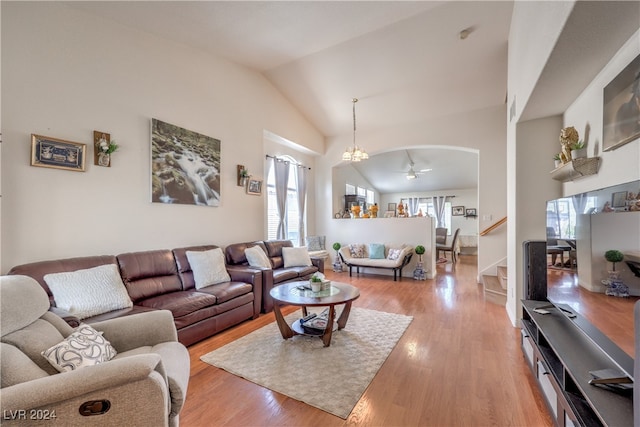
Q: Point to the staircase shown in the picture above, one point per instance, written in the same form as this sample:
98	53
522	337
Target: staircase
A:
495	287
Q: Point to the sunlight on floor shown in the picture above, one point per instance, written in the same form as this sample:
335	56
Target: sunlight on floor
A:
446	291
565	290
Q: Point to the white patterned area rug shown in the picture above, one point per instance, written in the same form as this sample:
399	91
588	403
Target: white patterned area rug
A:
330	378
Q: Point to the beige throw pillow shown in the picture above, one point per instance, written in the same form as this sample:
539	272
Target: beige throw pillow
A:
208	267
296	257
256	257
87	293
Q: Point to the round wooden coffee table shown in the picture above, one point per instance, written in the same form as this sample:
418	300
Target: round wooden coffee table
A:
290	294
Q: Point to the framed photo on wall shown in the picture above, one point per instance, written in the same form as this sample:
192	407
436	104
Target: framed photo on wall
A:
619	199
254	186
57	153
470	212
621	109
457	210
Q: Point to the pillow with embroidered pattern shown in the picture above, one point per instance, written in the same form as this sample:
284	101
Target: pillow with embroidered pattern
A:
84	347
315	243
356	250
394	254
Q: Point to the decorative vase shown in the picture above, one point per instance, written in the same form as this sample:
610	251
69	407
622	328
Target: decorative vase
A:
418	273
557	163
104	159
337	265
615	286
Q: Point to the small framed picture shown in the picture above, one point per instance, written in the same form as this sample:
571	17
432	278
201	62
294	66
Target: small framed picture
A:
391	207
254	186
57	153
470	212
619	199
457	210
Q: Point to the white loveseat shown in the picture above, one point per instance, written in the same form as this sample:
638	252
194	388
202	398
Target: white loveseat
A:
394	257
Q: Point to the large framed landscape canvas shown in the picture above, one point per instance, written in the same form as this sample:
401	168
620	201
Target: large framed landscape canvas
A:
621	109
185	166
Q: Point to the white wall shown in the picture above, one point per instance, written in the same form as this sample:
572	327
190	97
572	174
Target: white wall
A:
533	186
66	73
463	197
535	29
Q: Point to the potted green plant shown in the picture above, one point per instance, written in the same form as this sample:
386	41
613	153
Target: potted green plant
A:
418	273
578	150
613	256
557	160
337	265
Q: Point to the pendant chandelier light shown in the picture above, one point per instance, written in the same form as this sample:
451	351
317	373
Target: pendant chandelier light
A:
355	153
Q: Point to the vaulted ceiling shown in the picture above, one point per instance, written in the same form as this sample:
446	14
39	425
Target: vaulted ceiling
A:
405	61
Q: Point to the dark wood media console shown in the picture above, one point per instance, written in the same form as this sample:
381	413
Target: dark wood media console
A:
560	352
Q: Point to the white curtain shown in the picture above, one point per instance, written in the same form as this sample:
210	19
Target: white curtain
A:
301	180
281	174
414	205
579	203
438	207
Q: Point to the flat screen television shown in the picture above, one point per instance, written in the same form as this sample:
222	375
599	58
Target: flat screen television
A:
585	226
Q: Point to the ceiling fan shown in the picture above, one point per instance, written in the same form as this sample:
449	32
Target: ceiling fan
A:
412	173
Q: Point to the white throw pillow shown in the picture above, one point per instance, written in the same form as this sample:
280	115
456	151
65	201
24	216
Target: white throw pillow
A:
208	267
296	257
256	257
315	243
394	254
84	347
86	293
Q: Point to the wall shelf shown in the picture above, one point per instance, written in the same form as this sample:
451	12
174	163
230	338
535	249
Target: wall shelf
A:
576	168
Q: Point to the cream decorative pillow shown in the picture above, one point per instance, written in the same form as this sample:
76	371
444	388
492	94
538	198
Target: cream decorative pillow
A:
84	347
208	267
296	257
394	254
86	293
256	257
356	250
315	243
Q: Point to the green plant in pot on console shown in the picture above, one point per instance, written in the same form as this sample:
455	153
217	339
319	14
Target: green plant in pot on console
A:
613	256
420	250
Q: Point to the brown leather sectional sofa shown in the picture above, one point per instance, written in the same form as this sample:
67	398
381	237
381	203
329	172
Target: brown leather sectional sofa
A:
278	274
162	279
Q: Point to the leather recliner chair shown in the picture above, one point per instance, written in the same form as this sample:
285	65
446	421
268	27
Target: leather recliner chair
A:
144	384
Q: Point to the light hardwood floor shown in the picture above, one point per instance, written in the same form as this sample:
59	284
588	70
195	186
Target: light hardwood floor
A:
458	364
